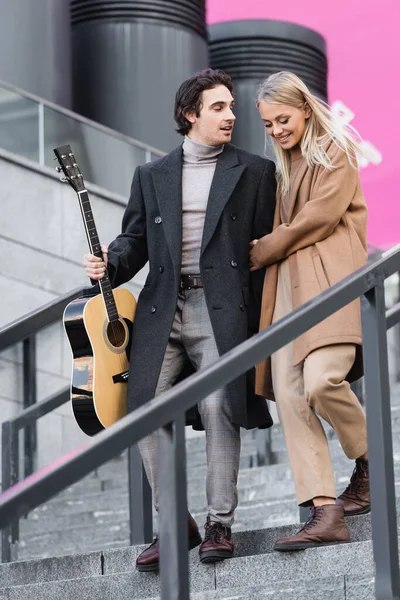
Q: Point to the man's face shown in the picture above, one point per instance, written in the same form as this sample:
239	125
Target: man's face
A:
215	124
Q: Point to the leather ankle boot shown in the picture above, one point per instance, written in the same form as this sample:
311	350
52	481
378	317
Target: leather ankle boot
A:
217	543
356	498
325	527
149	559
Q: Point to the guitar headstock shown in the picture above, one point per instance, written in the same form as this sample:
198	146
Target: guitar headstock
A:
69	167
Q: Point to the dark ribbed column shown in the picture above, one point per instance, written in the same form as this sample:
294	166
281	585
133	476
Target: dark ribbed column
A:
35	48
130	57
250	51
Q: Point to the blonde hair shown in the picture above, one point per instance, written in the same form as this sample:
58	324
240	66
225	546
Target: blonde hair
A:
287	88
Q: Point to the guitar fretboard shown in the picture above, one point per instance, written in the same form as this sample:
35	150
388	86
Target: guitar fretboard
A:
95	248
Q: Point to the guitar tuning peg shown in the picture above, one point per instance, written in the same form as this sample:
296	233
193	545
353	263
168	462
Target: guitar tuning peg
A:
58	169
64	179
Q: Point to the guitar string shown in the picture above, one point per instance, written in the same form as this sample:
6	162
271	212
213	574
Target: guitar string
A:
114	325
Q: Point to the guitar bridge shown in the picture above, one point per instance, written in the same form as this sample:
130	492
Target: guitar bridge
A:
121	377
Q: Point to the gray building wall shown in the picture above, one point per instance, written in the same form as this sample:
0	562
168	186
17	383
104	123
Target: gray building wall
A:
35	48
128	62
42	242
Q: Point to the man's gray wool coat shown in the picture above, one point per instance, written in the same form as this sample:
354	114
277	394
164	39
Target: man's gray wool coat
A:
240	208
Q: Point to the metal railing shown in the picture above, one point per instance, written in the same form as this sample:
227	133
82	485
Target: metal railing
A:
167	413
31	127
24	330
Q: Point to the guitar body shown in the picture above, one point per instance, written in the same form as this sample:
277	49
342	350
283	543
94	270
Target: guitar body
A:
100	350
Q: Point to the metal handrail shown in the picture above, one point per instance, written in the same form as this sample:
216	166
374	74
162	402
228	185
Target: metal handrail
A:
81	119
43	408
25	326
10	460
24	330
392	316
166	412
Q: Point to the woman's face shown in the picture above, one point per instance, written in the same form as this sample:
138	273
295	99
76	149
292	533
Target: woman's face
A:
286	124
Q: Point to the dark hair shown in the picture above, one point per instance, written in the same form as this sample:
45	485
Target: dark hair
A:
188	96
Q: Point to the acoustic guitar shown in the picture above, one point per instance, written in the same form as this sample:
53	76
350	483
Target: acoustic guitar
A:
98	329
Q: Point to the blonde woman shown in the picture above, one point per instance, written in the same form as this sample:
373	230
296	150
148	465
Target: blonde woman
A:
319	237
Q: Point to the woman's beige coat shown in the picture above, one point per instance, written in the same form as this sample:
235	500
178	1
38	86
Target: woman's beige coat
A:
325	241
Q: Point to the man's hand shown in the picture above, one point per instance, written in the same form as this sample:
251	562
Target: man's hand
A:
94	266
255	255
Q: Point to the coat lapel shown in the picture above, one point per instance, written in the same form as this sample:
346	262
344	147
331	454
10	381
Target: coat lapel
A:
167	179
295	188
227	174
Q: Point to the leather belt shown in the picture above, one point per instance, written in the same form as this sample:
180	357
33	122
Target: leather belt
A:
191	281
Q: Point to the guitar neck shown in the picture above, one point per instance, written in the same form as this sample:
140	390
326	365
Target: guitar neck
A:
95	249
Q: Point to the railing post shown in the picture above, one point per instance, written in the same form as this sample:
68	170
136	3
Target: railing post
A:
9	476
379	429
140	499
29	375
41	143
357	388
263	445
173	512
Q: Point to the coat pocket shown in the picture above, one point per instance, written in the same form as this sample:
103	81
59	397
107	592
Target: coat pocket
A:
320	273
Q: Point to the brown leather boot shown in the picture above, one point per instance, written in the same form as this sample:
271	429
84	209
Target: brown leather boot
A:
149	559
356	498
325	527
217	544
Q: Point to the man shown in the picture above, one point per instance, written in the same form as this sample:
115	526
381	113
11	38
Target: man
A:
192	214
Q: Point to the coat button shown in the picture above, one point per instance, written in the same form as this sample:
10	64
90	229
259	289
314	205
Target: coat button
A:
233	216
161	269
233	264
153	309
158	220
241	306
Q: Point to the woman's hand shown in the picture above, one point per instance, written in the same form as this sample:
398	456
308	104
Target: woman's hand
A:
94	266
256	261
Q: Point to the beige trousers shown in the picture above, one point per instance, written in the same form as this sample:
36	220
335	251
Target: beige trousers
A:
318	383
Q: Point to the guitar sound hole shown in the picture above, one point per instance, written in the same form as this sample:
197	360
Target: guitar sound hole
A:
116	333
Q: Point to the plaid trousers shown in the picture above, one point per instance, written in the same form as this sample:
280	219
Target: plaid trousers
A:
192	339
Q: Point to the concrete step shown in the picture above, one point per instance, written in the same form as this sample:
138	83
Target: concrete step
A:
247	543
331	588
75	538
122	587
118	580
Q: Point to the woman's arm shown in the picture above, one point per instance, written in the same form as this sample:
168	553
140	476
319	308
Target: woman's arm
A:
320	216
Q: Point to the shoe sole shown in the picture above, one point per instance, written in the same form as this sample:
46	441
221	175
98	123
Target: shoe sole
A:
155	566
147	568
304	546
212	557
361	511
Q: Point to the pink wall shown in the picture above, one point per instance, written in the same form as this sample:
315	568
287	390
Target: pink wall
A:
364	68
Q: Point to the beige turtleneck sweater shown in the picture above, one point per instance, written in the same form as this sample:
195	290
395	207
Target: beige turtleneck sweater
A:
199	162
